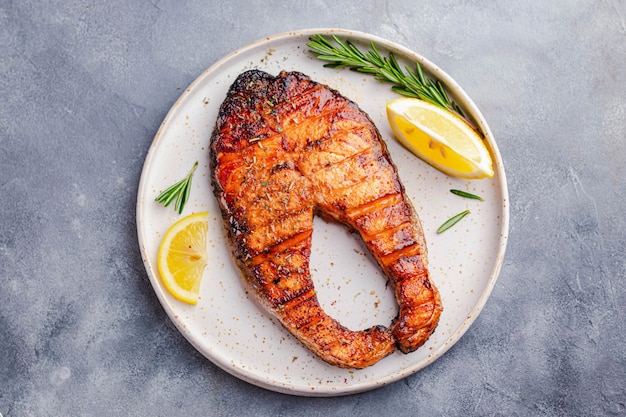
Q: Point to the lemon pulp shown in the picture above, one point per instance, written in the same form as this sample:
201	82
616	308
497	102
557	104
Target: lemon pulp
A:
440	138
182	257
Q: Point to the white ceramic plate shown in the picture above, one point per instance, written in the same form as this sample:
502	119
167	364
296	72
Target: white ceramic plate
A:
227	325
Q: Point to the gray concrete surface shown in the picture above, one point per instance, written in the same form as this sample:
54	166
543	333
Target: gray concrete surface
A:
84	86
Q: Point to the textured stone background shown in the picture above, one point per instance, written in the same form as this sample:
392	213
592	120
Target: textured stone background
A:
84	85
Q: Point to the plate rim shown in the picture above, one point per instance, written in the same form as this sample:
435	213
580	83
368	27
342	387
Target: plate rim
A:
455	89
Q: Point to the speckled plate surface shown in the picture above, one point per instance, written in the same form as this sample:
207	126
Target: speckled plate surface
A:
228	326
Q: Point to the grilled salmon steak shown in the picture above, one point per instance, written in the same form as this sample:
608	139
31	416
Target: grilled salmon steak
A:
286	148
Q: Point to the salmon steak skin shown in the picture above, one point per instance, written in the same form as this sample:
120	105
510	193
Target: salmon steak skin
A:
286	148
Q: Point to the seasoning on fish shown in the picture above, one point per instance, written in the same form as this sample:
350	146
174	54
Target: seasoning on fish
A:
286	148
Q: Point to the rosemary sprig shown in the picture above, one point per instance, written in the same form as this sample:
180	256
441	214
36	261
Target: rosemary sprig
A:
179	192
466	194
452	221
411	84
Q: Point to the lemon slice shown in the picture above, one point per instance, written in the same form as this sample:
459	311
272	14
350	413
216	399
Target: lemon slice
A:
440	138
182	257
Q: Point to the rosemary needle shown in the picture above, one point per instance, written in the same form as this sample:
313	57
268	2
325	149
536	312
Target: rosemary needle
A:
452	221
466	194
386	69
179	192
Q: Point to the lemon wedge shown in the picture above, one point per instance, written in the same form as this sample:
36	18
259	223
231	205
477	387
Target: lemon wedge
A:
440	138
182	257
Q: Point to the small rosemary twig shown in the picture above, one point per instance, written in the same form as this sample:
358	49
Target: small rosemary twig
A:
179	192
452	221
466	194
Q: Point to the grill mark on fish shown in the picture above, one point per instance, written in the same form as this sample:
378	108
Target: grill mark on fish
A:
286	148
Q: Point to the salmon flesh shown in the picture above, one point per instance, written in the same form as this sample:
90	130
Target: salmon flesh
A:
286	148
